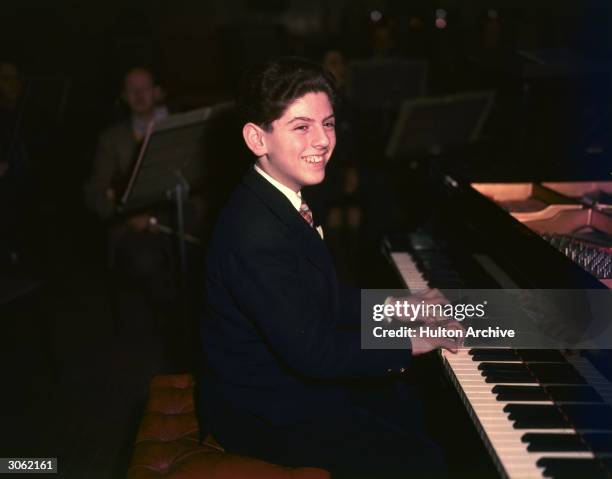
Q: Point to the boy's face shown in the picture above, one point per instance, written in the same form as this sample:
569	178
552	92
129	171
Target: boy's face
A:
301	142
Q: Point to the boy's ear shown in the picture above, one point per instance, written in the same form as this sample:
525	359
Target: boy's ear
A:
254	138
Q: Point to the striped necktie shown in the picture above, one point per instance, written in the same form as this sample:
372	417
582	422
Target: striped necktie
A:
306	213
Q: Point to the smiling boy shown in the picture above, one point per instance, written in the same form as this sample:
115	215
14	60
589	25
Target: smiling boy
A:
280	336
298	145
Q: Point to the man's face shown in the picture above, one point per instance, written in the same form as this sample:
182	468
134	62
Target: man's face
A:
301	142
140	92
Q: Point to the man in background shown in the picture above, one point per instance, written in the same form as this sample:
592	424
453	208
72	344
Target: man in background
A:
144	258
118	145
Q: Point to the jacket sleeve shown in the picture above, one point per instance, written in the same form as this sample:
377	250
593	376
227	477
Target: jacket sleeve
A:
269	290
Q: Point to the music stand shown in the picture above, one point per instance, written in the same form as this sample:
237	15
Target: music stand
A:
386	83
170	160
433	124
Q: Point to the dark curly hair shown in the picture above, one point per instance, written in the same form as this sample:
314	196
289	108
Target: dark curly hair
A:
267	89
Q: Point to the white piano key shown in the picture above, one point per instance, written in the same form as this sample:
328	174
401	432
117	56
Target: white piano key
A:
408	270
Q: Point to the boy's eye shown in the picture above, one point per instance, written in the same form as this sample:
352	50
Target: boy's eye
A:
302	127
330	124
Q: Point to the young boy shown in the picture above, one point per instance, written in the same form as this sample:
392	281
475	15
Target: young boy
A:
285	378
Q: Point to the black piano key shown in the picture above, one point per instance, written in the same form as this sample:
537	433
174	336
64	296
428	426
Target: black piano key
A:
573	394
548	393
520	393
599	442
493	354
549	373
532	416
493	357
509	378
510	373
507	374
543	355
503	367
554	442
570	442
578	416
501	351
562	468
589	416
524	355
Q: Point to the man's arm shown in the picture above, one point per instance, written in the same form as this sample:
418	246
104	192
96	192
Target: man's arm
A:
270	291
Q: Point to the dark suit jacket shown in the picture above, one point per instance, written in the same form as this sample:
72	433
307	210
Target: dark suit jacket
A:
272	328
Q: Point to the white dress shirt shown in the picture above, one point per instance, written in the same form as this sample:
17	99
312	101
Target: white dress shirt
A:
292	196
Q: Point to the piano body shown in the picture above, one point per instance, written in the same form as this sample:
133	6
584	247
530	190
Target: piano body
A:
540	413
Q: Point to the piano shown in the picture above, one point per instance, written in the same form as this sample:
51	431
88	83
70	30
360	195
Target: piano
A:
539	413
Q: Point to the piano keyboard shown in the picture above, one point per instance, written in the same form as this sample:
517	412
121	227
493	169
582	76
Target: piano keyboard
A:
540	413
524	430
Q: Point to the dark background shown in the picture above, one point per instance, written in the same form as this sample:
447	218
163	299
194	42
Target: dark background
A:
198	49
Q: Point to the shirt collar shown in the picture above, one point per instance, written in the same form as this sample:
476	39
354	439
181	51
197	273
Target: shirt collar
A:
292	196
139	125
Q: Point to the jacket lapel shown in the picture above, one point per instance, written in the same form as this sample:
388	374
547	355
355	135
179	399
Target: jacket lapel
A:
312	245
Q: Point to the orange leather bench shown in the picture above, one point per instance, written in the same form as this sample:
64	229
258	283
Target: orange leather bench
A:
167	445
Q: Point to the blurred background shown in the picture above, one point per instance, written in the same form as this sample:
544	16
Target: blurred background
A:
488	89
